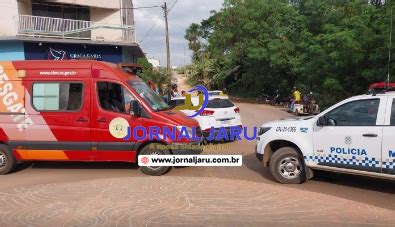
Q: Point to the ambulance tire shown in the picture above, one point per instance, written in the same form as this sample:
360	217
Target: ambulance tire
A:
7	160
287	166
150	149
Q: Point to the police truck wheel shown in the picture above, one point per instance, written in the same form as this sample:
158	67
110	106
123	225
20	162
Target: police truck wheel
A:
151	149
287	166
7	160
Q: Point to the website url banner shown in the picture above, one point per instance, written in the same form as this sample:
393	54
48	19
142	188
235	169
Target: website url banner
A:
190	160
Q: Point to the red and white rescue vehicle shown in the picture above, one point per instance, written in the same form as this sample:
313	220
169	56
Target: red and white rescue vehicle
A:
79	111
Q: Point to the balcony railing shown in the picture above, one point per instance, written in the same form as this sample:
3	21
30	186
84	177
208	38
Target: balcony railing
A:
49	27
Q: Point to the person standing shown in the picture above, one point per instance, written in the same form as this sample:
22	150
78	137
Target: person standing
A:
174	91
296	98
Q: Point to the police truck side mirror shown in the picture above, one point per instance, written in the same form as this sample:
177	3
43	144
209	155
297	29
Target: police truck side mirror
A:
322	121
135	108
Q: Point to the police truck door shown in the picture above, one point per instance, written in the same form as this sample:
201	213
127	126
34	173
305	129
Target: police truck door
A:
352	138
388	153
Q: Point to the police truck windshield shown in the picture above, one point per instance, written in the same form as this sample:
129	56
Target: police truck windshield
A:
153	99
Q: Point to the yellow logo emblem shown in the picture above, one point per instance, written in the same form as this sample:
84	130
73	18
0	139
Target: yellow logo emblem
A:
119	127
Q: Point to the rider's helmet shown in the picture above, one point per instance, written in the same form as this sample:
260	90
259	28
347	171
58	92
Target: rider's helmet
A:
173	86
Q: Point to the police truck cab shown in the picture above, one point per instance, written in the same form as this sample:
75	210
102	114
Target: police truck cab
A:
355	136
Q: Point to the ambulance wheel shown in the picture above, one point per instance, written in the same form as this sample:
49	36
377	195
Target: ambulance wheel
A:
151	149
7	160
287	166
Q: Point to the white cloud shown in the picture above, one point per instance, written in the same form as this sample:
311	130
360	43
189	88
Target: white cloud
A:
184	13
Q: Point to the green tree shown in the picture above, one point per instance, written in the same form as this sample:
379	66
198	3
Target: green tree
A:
158	76
193	35
332	47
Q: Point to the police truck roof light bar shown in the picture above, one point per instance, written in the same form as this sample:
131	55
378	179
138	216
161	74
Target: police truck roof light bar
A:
381	87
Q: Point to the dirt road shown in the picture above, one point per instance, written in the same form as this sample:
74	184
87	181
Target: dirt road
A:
104	194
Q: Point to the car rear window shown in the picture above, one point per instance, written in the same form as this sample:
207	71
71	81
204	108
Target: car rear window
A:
220	103
214	93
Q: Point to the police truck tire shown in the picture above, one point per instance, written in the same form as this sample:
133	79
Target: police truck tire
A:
287	166
151	149
7	160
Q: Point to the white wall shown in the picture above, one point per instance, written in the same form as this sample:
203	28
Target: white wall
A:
111	16
9	11
106	12
106	16
155	63
8	17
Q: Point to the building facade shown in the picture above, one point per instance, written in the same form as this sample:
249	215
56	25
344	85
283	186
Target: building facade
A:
68	29
154	62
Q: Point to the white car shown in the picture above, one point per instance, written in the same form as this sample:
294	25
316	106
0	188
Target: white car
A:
215	93
220	112
355	136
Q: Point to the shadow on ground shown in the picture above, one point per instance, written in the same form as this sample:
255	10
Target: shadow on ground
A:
76	165
325	183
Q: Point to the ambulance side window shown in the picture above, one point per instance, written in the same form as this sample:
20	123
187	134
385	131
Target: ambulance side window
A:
393	113
114	97
62	96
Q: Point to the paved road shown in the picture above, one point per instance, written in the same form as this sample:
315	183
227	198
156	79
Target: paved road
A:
104	194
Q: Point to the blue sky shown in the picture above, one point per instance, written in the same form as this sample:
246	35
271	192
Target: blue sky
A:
181	16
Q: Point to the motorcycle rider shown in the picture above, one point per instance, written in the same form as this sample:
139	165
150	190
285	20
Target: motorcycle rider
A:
276	98
310	103
307	98
296	98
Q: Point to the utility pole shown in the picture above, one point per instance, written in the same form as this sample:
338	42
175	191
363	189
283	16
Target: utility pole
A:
185	67
167	38
389	53
167	47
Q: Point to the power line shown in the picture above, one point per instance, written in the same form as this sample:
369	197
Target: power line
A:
157	20
152	27
171	7
142	7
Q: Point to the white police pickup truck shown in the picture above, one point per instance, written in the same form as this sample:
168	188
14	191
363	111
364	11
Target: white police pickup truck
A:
355	136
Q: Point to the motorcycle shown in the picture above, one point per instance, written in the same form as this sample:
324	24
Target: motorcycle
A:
265	98
275	100
308	107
